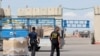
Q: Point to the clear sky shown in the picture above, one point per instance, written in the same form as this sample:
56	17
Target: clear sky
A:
67	14
15	4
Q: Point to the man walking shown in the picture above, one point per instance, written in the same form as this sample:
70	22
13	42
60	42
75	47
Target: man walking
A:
33	41
55	42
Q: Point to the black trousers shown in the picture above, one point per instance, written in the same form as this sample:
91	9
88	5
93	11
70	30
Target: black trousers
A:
53	47
33	47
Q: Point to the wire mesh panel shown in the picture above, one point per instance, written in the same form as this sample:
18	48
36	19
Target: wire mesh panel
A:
21	26
14	27
76	23
32	22
19	23
46	22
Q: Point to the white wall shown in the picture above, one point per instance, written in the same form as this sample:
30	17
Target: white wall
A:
7	12
41	12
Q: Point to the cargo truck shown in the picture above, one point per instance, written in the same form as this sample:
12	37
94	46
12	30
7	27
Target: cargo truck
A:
20	27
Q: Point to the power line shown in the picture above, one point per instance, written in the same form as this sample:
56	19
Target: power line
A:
77	9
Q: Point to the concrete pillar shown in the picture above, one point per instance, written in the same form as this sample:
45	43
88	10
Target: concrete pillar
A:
97	25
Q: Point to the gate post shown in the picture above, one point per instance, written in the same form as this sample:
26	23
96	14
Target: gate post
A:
96	24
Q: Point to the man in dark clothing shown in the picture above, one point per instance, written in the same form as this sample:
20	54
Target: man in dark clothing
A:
55	42
33	40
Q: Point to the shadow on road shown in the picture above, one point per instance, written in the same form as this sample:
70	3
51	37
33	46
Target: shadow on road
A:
50	51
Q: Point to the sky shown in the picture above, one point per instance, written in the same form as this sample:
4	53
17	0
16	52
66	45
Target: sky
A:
67	14
15	4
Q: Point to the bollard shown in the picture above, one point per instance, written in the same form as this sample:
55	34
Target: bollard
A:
92	39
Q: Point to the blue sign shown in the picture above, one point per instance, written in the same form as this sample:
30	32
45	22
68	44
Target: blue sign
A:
8	33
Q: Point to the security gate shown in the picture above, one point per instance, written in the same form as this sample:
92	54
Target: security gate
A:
76	23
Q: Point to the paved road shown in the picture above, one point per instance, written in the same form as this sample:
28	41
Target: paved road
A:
74	47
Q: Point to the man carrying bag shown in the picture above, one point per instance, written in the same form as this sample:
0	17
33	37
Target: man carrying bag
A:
33	41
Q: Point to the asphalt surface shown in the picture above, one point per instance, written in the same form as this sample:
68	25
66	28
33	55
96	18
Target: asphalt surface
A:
73	47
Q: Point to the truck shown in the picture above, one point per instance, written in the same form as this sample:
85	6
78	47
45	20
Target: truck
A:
84	33
20	27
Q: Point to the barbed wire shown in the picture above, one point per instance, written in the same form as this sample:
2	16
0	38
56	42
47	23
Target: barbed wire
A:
78	9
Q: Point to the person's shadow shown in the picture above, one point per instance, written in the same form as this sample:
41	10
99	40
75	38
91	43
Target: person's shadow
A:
62	43
50	50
